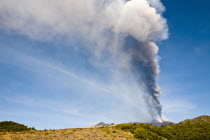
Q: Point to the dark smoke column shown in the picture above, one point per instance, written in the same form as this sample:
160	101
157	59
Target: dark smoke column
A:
142	24
144	65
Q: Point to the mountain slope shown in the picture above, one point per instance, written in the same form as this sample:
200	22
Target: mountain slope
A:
106	133
191	129
200	119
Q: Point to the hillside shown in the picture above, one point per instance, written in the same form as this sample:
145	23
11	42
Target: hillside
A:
70	134
200	119
9	126
191	129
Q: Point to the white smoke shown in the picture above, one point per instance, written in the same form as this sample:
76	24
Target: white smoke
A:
103	25
44	19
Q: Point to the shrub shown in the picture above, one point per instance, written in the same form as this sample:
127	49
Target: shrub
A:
194	129
9	126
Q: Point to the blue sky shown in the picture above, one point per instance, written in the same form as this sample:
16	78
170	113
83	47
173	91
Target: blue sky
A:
47	84
185	57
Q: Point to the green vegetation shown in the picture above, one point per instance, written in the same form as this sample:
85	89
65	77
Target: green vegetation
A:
194	129
9	126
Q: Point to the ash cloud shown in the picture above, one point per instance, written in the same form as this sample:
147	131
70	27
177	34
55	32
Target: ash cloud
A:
119	35
146	69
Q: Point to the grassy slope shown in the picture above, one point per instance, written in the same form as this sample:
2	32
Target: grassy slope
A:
200	119
70	134
192	129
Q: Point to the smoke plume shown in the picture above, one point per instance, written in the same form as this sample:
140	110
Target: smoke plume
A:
119	35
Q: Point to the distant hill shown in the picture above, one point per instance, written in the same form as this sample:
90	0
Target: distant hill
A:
191	129
200	119
163	123
9	126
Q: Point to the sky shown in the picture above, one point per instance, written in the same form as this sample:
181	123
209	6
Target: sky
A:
184	77
51	83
